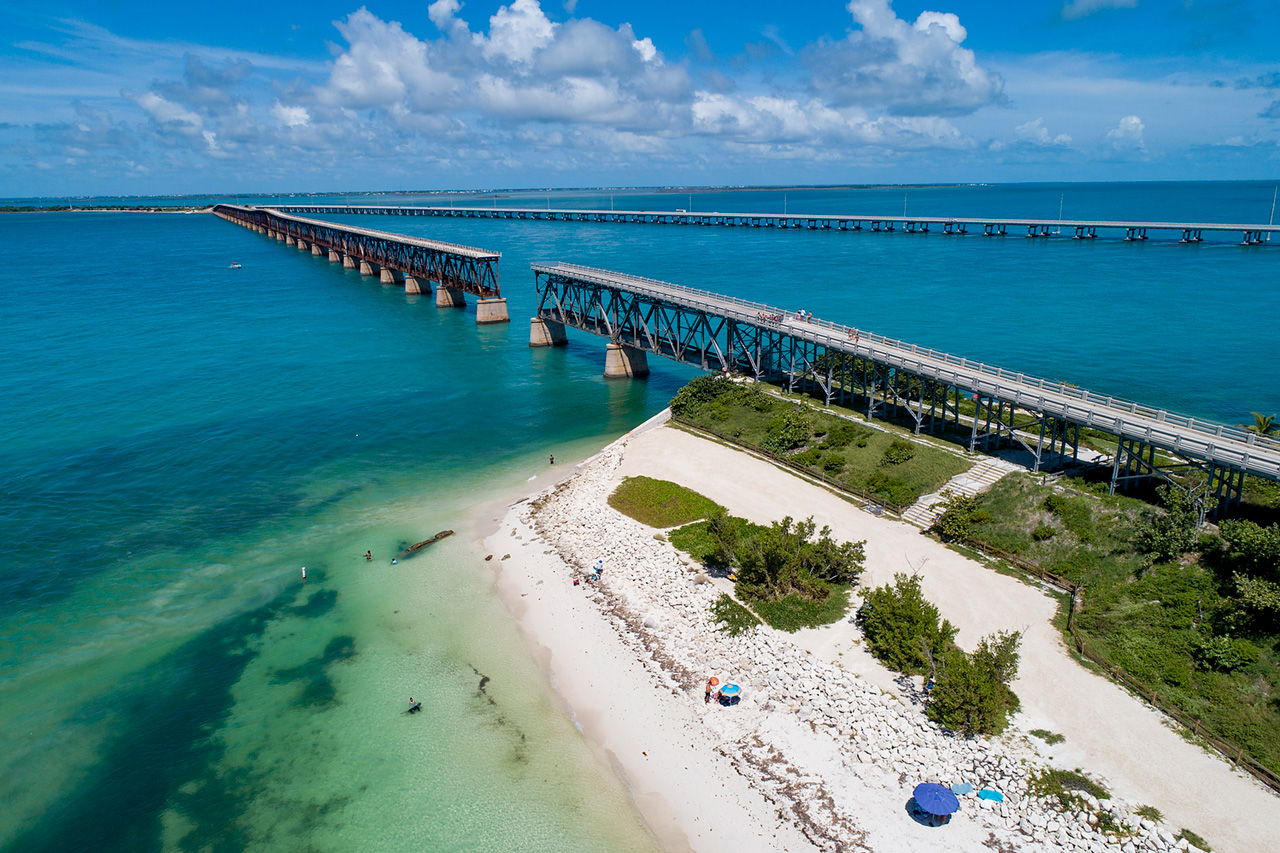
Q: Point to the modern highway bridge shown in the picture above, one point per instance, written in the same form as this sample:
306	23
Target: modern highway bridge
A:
841	364
1080	229
396	259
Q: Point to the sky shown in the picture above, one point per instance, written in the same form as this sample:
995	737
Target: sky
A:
107	97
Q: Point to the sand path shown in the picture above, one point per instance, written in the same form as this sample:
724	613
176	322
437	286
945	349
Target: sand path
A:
1109	733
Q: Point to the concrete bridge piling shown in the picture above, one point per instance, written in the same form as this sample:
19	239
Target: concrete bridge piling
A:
624	362
546	333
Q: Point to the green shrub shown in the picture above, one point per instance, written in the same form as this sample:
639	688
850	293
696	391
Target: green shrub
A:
732	618
1043	532
792	612
1165	536
1193	839
1149	813
968	698
1223	654
833	464
698	392
957	519
787	430
899	451
812	456
1065	786
844	433
1074	513
903	630
892	489
659	503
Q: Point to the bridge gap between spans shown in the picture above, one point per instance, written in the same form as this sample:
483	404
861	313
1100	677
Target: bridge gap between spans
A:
466	269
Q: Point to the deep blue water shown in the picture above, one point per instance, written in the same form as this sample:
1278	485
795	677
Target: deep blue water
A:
180	438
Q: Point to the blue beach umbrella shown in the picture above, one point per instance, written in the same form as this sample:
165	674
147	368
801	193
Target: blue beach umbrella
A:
729	690
935	799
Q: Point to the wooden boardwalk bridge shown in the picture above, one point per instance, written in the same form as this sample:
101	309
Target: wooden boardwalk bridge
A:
849	366
1080	229
396	259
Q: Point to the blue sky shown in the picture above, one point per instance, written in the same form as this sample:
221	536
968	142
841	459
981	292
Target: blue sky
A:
117	97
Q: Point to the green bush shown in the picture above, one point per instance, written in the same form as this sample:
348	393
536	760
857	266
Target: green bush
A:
892	489
957	519
903	630
1043	532
1065	786
1223	654
967	698
833	464
1166	536
787	431
899	451
698	392
1074	513
792	612
732	618
844	433
812	456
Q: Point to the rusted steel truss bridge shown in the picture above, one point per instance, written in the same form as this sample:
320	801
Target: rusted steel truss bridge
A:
396	258
890	378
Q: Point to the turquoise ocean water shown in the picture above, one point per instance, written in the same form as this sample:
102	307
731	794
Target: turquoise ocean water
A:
179	438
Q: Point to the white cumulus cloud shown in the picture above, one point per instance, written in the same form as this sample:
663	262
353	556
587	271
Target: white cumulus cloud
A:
517	31
1127	135
915	68
1036	133
290	116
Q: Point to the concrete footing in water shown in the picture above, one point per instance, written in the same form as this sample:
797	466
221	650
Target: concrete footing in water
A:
492	310
335	257
416	285
390	276
447	297
367	268
546	333
624	362
316	250
348	262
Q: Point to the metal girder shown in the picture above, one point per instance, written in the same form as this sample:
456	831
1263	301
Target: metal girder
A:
1221	488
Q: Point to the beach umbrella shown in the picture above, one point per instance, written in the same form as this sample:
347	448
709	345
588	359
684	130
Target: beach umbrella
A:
729	690
935	799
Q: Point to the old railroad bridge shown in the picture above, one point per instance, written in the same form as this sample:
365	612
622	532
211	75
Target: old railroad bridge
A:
838	364
1080	229
394	258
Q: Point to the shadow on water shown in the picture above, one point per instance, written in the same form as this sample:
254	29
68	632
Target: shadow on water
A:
165	749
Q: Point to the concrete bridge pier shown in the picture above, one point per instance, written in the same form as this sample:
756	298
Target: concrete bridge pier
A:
316	250
448	297
335	257
288	240
302	245
546	333
412	284
367	268
390	276
491	310
348	262
279	235
624	362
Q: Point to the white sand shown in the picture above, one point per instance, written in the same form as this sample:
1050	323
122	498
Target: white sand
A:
693	769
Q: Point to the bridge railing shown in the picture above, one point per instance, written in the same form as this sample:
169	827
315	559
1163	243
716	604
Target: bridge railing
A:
840	336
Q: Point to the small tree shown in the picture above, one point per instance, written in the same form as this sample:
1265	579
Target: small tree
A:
956	522
1262	424
1165	536
787	430
902	629
972	693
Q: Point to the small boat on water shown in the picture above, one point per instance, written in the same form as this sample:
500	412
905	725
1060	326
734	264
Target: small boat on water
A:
234	265
413	549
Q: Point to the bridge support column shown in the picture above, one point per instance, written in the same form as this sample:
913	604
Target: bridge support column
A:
335	257
413	285
492	310
367	268
302	245
624	362
316	250
546	333
279	235
390	276
348	262
448	297
288	240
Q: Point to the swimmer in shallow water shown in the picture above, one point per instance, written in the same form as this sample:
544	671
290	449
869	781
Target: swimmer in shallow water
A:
368	556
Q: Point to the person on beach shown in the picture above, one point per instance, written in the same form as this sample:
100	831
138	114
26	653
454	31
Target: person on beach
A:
711	685
598	568
551	459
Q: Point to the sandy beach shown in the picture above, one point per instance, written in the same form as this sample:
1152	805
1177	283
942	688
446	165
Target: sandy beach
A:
825	747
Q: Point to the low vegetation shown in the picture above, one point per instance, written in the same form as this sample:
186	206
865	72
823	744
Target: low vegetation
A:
1194	840
970	692
659	503
732	618
1051	738
890	467
1191	614
790	573
1066	786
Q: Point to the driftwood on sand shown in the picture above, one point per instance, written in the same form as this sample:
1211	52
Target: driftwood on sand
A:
413	549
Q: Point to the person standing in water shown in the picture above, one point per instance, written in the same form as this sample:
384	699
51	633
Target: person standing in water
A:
552	459
304	572
368	556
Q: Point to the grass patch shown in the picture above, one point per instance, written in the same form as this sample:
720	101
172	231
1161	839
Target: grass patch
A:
792	612
1193	839
1065	786
659	503
732	617
696	541
1149	813
885	464
1051	738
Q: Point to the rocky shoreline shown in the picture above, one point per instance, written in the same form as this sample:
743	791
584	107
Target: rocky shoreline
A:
812	738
